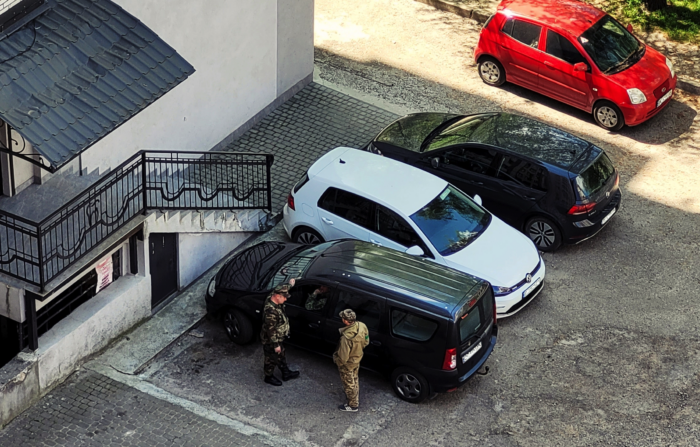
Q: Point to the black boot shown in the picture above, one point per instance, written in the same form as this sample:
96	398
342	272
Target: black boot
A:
272	380
288	374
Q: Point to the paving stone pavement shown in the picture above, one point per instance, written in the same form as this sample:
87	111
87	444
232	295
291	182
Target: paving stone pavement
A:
314	121
93	410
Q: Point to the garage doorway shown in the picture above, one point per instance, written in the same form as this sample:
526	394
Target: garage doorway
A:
163	263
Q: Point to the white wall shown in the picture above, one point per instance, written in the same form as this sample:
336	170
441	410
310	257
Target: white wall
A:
197	252
233	46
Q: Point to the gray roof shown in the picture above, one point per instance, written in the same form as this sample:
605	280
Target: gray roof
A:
80	70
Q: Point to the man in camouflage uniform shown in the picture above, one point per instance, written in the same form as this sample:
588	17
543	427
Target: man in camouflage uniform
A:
275	328
354	337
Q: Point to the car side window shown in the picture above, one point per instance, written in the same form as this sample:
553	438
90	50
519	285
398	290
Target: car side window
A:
347	205
368	309
516	170
311	297
394	227
560	47
473	159
409	325
525	32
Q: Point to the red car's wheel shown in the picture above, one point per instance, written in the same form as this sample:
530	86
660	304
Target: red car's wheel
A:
608	116
491	71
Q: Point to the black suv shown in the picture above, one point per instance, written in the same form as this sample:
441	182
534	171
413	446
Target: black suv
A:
553	186
430	327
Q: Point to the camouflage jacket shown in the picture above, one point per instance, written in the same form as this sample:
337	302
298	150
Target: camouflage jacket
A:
275	323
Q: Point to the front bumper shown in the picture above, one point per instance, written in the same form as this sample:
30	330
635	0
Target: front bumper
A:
637	114
514	302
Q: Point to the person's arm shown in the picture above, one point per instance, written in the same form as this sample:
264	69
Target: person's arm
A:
270	323
344	350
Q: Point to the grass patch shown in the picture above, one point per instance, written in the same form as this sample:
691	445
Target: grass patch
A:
680	20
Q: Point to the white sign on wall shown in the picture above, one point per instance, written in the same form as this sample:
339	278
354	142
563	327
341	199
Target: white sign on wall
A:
104	273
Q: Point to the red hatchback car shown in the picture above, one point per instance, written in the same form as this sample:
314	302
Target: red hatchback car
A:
577	54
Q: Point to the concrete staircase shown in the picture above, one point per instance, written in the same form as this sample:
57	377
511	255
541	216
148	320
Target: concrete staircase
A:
210	221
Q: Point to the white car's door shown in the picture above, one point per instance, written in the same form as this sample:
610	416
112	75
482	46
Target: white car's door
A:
343	215
392	230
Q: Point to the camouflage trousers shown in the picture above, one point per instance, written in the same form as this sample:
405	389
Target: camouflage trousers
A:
351	383
273	359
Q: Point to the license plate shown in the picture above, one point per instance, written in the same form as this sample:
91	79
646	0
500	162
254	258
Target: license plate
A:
607	218
471	353
664	98
532	287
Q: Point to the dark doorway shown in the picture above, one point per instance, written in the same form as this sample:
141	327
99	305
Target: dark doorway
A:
163	262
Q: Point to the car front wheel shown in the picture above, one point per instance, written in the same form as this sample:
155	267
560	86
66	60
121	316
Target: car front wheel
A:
410	385
544	233
238	327
491	71
608	116
307	236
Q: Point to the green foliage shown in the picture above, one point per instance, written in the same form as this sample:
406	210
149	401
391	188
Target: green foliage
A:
680	19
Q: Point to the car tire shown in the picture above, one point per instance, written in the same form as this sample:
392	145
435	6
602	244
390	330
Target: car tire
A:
306	235
608	116
544	233
238	327
491	71
410	385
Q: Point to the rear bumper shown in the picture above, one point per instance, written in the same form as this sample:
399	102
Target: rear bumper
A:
576	233
444	381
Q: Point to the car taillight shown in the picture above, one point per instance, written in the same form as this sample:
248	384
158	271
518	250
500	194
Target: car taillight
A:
617	180
450	362
582	209
290	201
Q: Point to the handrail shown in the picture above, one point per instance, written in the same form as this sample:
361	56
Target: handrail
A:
38	252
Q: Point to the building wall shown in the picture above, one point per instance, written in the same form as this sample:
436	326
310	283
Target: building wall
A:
245	53
198	252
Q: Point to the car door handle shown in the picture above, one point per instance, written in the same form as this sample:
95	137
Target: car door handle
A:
314	325
376	343
375	242
327	220
549	64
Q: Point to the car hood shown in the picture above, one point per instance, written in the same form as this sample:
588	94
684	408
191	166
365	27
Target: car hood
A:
410	131
501	255
646	75
245	270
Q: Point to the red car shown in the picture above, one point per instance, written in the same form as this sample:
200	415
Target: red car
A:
577	54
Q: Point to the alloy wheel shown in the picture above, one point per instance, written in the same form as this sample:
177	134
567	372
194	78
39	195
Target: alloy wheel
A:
306	237
408	385
233	329
490	72
607	116
542	234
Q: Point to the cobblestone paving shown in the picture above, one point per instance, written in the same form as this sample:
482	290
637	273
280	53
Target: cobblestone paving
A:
93	410
314	121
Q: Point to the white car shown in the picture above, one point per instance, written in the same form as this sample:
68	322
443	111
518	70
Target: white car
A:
349	193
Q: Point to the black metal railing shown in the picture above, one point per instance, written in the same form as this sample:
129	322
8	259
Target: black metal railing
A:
38	252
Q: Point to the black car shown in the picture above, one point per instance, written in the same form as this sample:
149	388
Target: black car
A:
430	327
553	186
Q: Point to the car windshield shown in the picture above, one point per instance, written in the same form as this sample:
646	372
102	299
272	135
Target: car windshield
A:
595	177
451	221
611	46
296	265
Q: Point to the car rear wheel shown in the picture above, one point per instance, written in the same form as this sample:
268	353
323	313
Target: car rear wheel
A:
410	385
306	235
491	71
608	116
238	327
544	233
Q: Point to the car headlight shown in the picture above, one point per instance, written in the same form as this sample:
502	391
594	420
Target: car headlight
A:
372	148
500	291
212	286
669	64
636	96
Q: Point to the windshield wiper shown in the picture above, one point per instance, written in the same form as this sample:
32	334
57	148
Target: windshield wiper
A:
622	65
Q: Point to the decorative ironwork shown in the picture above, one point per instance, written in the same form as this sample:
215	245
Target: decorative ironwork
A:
38	252
17	147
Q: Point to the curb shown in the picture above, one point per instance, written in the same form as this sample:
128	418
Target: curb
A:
685	83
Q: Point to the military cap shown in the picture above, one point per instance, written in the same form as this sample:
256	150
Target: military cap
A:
282	289
348	315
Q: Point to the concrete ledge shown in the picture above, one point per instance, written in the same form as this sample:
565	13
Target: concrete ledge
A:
688	84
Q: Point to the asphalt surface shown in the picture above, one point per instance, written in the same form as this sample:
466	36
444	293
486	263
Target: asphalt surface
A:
606	355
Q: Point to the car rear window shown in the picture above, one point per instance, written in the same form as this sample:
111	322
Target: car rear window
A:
480	315
595	176
408	325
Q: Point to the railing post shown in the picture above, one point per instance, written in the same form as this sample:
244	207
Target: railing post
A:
30	317
40	249
268	161
143	182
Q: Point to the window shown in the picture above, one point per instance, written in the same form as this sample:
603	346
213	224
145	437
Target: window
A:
404	324
368	310
595	176
560	47
393	227
517	170
527	33
347	205
473	159
311	297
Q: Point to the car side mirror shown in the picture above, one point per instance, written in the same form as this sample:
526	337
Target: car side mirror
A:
415	251
435	162
580	66
477	199
629	28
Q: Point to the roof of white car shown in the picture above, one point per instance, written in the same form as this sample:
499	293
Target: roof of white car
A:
402	187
